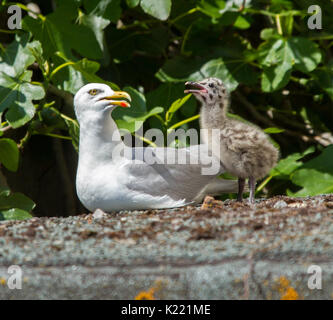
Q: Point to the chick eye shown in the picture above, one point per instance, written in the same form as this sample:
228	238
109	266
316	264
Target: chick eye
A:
211	85
93	92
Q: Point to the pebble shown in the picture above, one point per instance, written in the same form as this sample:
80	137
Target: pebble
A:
280	204
99	214
297	205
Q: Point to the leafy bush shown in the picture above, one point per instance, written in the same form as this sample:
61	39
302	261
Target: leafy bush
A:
279	71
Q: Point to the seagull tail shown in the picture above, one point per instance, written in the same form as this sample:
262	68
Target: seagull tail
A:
218	186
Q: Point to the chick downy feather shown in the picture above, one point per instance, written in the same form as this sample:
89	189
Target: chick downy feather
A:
244	150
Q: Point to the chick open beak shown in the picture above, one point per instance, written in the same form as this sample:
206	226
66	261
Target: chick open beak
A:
119	98
194	87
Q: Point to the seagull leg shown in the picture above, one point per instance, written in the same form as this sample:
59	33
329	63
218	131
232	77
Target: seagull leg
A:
241	184
252	187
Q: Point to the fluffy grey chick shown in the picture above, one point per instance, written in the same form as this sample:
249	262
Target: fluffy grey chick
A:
244	150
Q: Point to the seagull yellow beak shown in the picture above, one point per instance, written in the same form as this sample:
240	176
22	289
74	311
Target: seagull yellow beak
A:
119	98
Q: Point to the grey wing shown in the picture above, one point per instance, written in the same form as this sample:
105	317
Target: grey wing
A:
179	173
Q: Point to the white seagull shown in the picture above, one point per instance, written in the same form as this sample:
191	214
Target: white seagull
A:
112	176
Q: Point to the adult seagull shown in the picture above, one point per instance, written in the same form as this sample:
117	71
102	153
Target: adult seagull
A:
113	176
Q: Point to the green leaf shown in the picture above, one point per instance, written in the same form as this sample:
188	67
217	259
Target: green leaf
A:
88	69
280	56
74	131
243	22
277	64
16	95
273	130
315	176
269	33
324	78
230	63
132	3
100	14
17	57
212	8
14	214
16	200
323	162
47	33
16	91
217	68
15	206
63	31
313	183
287	22
108	9
280	5
132	118
36	50
273	52
231	71
178	103
143	118
73	77
50	119
306	53
167	93
289	164
97	24
9	154
4	190
137	110
275	78
159	9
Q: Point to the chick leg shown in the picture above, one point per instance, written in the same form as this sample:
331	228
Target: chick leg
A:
241	184
252	187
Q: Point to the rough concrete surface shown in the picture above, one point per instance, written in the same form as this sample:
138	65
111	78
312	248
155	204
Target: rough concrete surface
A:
223	250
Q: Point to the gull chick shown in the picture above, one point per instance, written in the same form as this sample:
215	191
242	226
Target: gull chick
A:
244	150
112	176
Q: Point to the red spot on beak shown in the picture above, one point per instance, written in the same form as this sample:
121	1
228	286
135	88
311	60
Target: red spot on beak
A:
123	104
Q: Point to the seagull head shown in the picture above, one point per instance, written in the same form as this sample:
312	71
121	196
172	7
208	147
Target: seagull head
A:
209	91
99	97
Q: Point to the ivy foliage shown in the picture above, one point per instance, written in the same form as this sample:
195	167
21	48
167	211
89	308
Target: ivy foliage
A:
280	73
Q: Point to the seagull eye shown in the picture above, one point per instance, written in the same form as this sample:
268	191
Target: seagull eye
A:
93	92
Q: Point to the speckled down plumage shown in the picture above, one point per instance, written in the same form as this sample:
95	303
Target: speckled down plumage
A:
244	149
